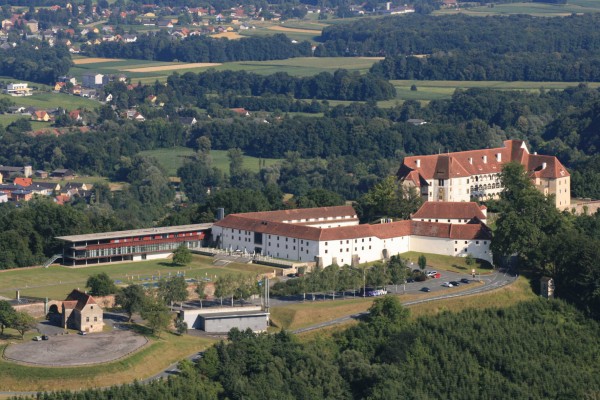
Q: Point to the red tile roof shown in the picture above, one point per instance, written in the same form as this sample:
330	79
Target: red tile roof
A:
78	300
449	210
23	181
304	214
478	162
381	231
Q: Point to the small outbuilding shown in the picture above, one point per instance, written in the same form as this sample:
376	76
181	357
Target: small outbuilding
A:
80	311
222	320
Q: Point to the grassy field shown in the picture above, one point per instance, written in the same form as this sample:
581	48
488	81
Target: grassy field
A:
301	66
7	119
297	316
448	263
145	363
436	90
173	158
58	281
52	100
535	9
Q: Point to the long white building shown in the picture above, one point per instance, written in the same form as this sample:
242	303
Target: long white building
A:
331	235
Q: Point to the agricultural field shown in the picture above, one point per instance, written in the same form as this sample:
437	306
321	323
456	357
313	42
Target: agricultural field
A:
173	158
52	100
436	90
150	71
535	9
56	282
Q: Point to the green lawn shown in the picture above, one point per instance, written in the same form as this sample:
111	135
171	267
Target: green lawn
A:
173	158
7	119
58	281
448	263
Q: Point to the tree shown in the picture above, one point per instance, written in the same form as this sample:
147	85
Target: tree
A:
388	308
156	313
236	161
397	270
378	276
182	255
131	299
389	199
528	220
201	290
7	315
101	284
23	322
422	261
173	289
181	326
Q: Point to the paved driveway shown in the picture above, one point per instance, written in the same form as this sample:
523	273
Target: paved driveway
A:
72	350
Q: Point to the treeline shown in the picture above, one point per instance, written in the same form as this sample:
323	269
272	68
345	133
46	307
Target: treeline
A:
387	356
341	85
418	34
160	46
483	66
35	61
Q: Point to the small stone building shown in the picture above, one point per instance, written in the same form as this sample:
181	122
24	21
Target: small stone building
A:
80	311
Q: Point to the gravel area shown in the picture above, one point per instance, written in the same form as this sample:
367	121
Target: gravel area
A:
72	350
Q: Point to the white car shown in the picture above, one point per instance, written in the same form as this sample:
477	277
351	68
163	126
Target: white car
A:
431	273
447	284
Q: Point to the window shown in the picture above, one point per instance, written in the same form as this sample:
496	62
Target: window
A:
456	242
95	319
477	242
465	242
87	319
325	251
455	249
91	307
369	247
347	250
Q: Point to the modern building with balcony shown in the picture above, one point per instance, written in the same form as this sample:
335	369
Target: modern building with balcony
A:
132	245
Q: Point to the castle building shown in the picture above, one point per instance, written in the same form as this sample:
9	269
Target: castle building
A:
333	235
475	174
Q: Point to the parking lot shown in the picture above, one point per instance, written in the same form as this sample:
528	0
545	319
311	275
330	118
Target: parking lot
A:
72	350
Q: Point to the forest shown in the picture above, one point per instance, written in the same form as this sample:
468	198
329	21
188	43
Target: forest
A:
341	85
460	47
160	46
35	61
539	349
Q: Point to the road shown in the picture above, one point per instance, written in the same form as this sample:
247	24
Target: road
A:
490	282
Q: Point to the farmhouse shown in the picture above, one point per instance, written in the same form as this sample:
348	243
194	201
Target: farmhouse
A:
333	235
132	245
475	174
80	311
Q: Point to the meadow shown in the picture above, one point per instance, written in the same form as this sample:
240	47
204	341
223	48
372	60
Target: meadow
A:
52	100
173	158
535	9
438	90
301	66
56	281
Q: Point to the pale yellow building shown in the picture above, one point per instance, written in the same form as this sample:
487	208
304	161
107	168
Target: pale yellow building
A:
475	174
81	312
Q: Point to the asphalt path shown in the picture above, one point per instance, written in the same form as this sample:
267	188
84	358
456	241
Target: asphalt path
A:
492	281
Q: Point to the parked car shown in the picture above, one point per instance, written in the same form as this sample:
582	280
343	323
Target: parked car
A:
37	338
425	289
465	280
437	275
455	283
447	284
431	273
82	332
45	337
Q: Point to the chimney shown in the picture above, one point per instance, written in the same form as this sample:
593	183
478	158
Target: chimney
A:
544	165
499	157
471	160
388	5
418	163
484	159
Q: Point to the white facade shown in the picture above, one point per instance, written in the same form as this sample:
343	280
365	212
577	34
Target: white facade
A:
351	243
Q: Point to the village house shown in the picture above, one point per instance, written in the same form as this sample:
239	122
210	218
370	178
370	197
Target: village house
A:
81	312
63	173
17	89
91	80
475	174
